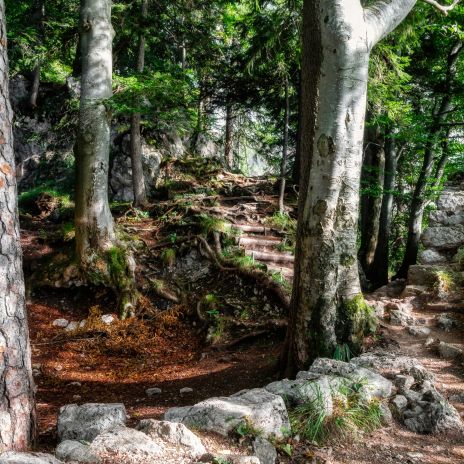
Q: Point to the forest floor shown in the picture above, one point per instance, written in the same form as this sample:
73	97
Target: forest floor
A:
118	363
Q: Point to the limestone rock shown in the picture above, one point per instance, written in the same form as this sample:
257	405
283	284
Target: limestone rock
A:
446	322
419	331
375	385
62	323
431	256
174	434
404	382
85	422
399	403
448	351
264	410
15	457
444	238
71	450
264	451
401	318
153	391
128	446
451	200
297	392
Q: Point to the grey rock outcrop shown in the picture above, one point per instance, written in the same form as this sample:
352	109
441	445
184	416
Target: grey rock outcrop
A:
15	457
173	433
72	451
87	421
261	409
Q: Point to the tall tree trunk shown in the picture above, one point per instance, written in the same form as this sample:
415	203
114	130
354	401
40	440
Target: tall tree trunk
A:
102	259
229	137
296	165
371	201
39	14
420	195
327	307
138	179
283	165
378	272
17	411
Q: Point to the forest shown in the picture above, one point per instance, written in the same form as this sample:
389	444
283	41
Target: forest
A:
232	232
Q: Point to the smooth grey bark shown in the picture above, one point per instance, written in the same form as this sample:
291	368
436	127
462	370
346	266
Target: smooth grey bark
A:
97	248
338	36
229	137
420	197
371	201
138	179
283	164
17	410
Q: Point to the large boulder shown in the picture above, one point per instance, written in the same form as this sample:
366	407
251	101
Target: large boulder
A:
301	391
259	408
85	422
373	384
444	238
14	457
431	256
391	364
125	445
72	451
173	435
451	200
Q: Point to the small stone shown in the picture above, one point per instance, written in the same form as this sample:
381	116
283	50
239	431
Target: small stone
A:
404	382
265	451
82	323
74	384
72	326
448	351
107	319
36	366
400	403
36	372
153	391
419	331
63	323
186	390
58	368
77	397
457	398
446	322
429	342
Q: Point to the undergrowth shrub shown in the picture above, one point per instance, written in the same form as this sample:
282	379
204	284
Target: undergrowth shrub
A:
352	415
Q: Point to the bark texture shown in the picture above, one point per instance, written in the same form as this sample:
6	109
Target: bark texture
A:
327	306
229	137
17	414
102	259
138	180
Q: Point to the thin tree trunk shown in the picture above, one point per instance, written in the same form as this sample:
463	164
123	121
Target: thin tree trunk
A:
138	179
327	306
371	202
297	164
378	272
283	165
40	14
229	137
17	410
420	195
102	259
35	86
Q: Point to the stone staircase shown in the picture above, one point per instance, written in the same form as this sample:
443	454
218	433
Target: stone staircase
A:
262	244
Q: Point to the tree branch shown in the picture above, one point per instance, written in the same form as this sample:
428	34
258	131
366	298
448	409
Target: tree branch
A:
383	16
445	9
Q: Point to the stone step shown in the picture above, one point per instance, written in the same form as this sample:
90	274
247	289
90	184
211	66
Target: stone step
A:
443	306
265	256
260	243
256	229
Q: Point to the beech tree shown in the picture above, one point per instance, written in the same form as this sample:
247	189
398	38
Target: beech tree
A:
17	413
101	257
328	309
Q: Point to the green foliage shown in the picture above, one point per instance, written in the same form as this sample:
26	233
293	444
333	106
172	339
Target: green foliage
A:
210	224
460	258
352	414
246	429
168	256
68	231
343	353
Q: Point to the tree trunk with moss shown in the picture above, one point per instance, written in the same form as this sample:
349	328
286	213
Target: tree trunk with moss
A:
101	258
17	413
327	306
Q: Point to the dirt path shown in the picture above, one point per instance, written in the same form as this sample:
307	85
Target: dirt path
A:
396	444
